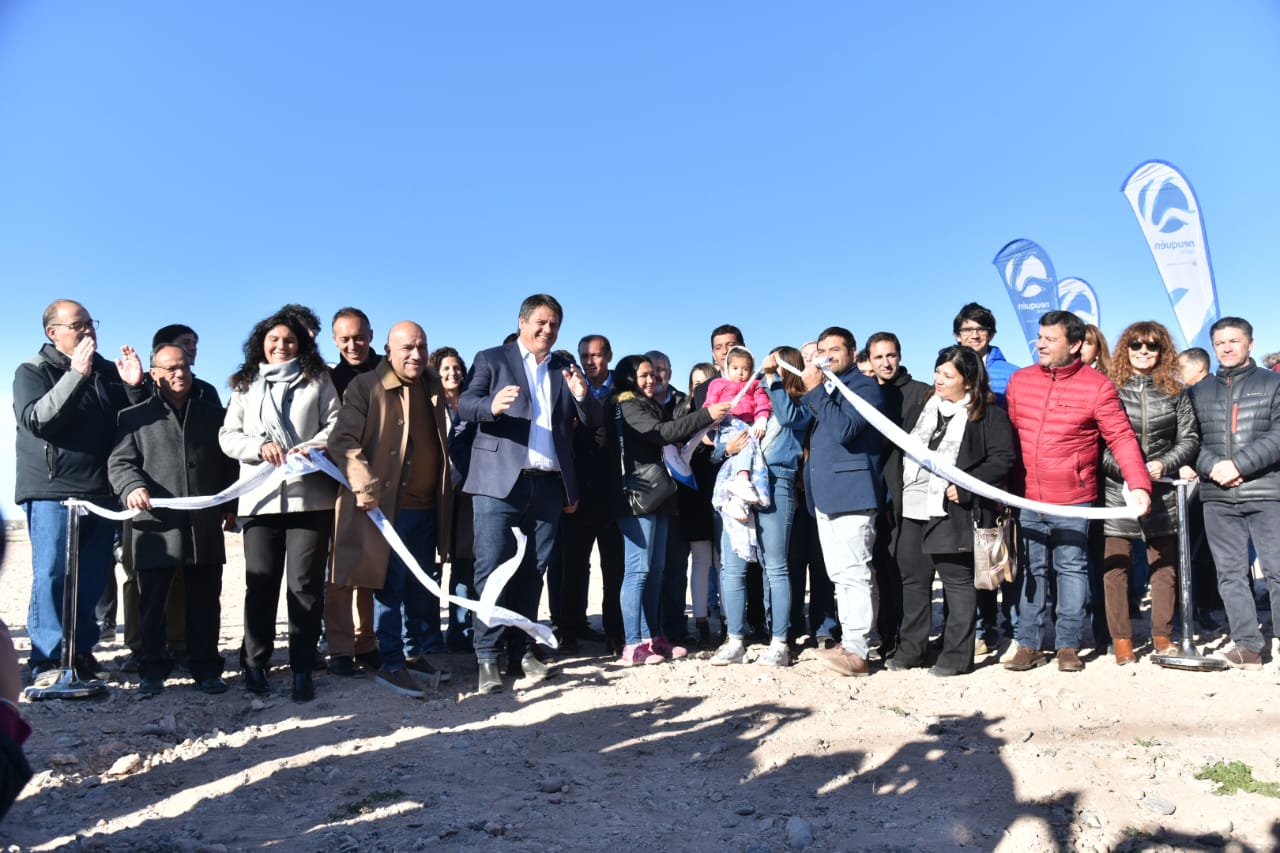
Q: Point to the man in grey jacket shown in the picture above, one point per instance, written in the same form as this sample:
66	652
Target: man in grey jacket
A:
168	447
1239	467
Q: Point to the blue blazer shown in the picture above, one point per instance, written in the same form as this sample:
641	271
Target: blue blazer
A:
843	472
500	446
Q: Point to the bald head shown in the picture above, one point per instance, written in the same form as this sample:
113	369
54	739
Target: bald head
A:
407	350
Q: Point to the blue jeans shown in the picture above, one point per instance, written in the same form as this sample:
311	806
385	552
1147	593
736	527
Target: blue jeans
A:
417	529
644	546
47	529
533	506
773	529
1053	544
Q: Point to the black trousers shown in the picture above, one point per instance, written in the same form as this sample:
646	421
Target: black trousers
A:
918	570
888	582
202	607
293	546
581	531
804	557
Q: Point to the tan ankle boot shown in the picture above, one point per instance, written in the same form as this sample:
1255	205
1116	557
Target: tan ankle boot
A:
1124	651
1163	645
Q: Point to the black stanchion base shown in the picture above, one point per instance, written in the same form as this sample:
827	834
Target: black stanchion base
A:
68	686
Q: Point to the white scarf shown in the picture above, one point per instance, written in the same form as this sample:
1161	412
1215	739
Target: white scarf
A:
277	393
956	414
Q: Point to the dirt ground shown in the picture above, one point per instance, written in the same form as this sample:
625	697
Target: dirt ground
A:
680	756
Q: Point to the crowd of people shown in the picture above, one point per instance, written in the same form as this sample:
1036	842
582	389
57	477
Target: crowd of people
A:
761	493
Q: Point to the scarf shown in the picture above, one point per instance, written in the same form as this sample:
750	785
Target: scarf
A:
956	416
276	383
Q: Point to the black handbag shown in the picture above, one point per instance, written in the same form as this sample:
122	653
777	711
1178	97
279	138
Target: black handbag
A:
647	486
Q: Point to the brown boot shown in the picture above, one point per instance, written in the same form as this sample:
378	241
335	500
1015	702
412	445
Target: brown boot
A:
1164	646
1124	651
1069	660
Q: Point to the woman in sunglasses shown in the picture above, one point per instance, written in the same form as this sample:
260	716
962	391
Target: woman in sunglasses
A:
1144	369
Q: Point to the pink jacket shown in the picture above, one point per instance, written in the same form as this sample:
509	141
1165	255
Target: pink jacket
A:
1059	414
753	406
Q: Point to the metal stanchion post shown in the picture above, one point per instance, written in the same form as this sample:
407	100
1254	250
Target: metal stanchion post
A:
1187	657
69	685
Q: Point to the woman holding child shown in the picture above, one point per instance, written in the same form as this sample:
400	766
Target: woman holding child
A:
776	433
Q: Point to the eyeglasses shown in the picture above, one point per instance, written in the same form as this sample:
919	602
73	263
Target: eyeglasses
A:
974	330
78	326
1136	345
177	368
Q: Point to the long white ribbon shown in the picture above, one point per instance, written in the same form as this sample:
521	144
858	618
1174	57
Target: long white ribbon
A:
487	608
927	459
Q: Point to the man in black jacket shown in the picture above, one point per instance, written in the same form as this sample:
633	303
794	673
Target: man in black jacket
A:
1239	467
168	447
66	400
901	393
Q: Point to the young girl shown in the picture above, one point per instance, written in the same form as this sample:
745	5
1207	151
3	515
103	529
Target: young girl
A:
751	412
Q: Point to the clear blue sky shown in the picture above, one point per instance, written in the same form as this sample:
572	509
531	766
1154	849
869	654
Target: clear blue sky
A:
660	167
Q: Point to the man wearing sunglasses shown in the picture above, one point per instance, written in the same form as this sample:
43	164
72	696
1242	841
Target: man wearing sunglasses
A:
66	400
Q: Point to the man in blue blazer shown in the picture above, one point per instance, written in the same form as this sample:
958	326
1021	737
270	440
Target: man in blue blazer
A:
844	489
524	402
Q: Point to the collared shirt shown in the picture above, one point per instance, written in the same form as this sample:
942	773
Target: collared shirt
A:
542	446
604	389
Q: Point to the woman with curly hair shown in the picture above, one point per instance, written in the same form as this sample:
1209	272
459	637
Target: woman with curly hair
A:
282	403
1144	371
449	363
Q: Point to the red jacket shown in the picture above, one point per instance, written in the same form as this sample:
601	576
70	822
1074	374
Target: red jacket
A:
1058	414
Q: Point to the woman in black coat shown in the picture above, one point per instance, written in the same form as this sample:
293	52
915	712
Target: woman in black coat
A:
1143	370
638	431
960	422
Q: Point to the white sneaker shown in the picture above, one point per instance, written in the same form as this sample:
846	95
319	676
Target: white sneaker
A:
733	651
775	654
1011	653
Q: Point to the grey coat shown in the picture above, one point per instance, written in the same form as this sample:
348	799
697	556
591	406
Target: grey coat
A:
172	456
1166	429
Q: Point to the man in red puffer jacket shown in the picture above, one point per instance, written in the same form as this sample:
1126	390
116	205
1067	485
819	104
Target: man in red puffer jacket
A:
1059	408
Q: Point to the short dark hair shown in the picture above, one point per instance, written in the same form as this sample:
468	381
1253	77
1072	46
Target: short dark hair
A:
354	313
164	345
170	333
1232	323
1073	324
839	332
588	338
881	337
1198	355
979	314
727	329
540	300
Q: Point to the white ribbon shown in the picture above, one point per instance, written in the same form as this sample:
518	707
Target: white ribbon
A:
925	458
295	464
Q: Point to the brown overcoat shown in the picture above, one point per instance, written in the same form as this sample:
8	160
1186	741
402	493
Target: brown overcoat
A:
368	444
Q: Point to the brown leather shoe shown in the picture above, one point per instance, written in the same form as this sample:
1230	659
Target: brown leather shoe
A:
1164	646
1069	661
843	661
1124	652
1026	658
